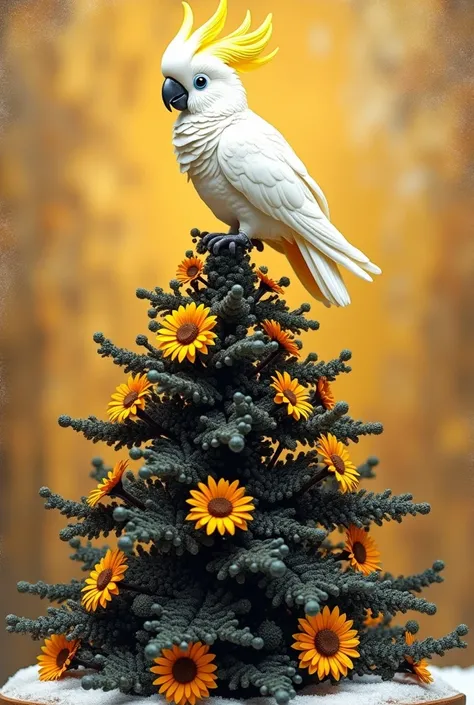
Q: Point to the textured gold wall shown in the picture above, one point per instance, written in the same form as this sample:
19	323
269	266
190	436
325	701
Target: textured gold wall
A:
373	95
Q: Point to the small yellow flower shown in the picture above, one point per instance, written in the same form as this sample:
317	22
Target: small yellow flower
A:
291	392
419	668
327	643
128	398
185	676
101	585
337	460
108	483
363	554
56	657
189	270
325	393
370	621
268	283
187	331
284	339
220	506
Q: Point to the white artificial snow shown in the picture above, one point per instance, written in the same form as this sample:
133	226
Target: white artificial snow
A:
369	690
461	679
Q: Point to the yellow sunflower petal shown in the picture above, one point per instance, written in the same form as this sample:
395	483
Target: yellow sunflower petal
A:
188	691
220	506
327	654
186	331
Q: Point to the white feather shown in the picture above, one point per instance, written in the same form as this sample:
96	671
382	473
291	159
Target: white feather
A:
247	173
260	164
326	274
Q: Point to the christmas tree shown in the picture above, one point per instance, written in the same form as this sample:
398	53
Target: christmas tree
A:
225	571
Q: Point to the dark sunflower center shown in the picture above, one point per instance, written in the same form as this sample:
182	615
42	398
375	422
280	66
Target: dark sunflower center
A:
184	670
192	271
359	551
104	578
219	507
291	396
338	463
62	657
187	333
327	642
130	399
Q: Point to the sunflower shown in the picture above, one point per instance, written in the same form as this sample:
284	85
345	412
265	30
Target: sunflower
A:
56	657
362	550
185	676
284	339
327	643
189	270
185	331
325	393
371	621
291	392
336	458
267	283
418	668
222	506
128	398
108	483
102	582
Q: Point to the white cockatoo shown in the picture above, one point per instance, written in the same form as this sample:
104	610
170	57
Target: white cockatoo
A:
241	166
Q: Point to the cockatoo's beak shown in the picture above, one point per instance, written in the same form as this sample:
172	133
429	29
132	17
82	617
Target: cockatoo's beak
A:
174	95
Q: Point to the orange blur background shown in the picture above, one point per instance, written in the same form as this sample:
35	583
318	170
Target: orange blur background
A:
374	96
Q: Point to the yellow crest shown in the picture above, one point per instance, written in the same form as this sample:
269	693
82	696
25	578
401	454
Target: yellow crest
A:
240	50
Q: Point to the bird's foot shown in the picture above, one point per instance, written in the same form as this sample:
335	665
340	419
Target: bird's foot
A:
215	242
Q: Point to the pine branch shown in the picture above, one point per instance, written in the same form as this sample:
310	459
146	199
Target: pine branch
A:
58	592
366	470
124	670
163	302
59	620
416	583
189	617
282	522
272	675
337	422
279	481
128	434
256	557
309	373
233	308
167	459
130	361
279	312
183	385
335	509
86	554
247	349
162	524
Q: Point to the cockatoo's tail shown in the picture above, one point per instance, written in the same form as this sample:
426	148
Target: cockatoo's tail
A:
240	165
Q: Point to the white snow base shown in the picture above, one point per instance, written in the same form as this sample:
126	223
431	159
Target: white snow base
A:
369	690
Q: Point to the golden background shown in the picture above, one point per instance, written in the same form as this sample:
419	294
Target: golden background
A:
373	95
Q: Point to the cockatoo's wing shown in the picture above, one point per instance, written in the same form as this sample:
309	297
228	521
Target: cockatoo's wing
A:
258	162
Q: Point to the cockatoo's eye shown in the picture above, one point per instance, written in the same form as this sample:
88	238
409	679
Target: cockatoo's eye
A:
201	81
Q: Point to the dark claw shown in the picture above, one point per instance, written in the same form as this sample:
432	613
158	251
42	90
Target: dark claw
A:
217	241
258	244
211	239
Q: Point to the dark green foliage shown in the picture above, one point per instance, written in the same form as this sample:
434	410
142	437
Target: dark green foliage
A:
242	595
